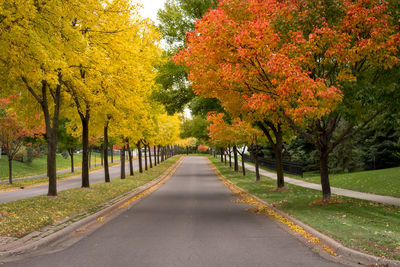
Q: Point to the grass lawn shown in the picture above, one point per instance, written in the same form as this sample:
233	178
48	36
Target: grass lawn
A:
28	182
22	217
39	165
381	182
362	225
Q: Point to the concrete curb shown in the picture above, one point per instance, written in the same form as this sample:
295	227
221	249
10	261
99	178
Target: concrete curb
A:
116	206
346	253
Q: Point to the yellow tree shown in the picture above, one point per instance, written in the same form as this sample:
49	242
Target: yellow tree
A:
34	39
114	69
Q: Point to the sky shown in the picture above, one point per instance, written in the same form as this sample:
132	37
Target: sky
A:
151	7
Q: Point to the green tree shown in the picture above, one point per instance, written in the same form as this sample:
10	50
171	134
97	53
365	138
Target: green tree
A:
195	127
66	141
177	18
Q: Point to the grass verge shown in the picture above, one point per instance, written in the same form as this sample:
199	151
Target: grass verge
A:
365	226
22	217
28	182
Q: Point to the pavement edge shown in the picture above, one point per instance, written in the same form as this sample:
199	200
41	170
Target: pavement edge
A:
91	222
353	256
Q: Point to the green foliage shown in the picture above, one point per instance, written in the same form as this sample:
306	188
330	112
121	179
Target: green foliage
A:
200	106
173	90
195	127
177	18
65	140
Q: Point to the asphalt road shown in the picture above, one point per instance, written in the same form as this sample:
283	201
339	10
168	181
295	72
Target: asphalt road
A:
192	220
94	177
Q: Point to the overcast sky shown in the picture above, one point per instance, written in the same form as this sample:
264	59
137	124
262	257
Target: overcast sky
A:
151	7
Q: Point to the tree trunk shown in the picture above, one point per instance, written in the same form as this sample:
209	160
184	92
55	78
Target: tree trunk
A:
255	157
145	157
122	156
225	157
112	153
243	168
71	155
230	158
279	159
235	158
85	152
324	172
101	157
139	157
277	146
105	154
90	157
257	168
150	163
158	154
51	126
155	155
222	155
51	163
130	158
187	150
10	169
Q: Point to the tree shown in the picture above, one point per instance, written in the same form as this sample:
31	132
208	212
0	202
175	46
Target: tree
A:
67	142
32	59
176	19
195	127
292	63
14	129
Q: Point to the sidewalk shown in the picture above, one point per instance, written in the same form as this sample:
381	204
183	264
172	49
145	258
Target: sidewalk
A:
335	190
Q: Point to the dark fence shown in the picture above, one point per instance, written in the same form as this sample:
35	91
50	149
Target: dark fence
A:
295	168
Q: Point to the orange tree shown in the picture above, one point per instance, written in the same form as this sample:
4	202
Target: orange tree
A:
239	134
245	137
301	63
219	132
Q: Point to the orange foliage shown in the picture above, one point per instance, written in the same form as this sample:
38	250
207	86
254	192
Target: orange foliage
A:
202	148
263	59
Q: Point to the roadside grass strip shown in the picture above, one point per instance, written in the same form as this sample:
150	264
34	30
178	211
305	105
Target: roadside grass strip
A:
361	225
21	217
35	182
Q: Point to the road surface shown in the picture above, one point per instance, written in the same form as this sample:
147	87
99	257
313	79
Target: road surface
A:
192	220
